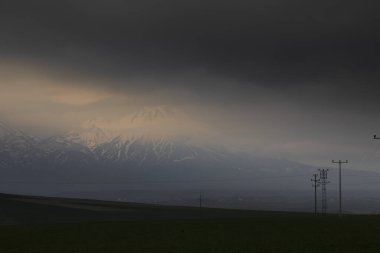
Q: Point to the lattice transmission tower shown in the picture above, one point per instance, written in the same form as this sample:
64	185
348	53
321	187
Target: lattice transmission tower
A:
323	181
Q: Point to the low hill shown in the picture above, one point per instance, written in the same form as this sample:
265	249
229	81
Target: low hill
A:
20	209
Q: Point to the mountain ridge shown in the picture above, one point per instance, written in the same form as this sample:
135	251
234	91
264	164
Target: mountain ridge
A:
93	154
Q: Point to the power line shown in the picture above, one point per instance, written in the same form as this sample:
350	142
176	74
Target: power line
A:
340	184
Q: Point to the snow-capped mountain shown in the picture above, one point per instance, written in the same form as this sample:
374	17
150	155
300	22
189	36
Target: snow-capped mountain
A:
15	138
16	147
87	137
137	147
145	138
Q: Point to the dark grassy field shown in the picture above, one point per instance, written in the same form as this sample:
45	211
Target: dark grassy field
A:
63	225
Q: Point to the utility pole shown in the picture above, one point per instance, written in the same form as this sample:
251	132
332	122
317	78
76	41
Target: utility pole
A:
340	184
315	184
323	181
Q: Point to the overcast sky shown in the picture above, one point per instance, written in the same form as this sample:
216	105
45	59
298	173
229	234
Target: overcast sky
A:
289	78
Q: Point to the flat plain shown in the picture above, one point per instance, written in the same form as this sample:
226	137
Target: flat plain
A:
37	224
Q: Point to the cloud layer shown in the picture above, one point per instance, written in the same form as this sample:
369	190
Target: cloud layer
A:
296	79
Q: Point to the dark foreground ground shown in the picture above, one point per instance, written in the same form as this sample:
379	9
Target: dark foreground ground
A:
65	225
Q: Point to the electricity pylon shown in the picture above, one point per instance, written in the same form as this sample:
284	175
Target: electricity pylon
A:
323	181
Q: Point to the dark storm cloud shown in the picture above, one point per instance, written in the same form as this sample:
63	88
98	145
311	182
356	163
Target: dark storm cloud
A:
284	45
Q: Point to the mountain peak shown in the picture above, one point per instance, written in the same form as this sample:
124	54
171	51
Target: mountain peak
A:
90	137
152	114
155	122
